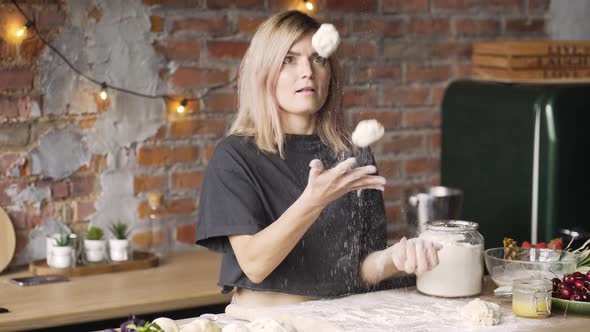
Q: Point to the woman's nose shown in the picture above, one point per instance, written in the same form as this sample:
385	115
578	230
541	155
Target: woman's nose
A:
305	69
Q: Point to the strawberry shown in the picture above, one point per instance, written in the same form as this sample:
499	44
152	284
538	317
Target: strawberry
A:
526	244
556	243
541	245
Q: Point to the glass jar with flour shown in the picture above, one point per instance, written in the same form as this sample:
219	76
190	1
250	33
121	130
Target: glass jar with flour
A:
460	269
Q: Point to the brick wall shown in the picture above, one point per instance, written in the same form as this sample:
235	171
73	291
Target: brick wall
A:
398	57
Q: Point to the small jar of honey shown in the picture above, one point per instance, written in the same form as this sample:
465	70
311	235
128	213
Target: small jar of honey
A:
531	298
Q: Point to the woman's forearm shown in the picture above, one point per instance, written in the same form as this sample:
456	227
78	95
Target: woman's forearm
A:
259	254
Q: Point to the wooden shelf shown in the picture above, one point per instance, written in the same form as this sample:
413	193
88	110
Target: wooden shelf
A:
140	260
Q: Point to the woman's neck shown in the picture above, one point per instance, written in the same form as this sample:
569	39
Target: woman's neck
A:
298	124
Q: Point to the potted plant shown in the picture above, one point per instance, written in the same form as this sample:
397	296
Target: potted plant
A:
95	245
118	246
61	253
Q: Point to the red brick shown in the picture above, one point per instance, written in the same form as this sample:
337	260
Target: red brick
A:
226	49
428	73
388	168
438	94
539	6
422	119
390	119
84	210
356	6
243	4
463	70
16	79
185	128
186	233
359	97
173	3
15	107
24	219
60	190
362	50
179	49
7	161
455	4
173	102
404	144
405	6
420	166
98	163
430	26
187	180
452	49
188	77
50	19
373	73
288	4
148	183
159	135
477	27
392	192
221	102
378	27
213	25
435	141
248	24
405	96
520	25
179	207
393	213
5	200
152	156
83	185
25	53
156	23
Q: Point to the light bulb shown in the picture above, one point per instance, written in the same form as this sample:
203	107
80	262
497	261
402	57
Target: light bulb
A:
21	32
103	92
308	5
180	109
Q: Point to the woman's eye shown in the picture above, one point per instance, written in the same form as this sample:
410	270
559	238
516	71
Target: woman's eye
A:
288	59
319	59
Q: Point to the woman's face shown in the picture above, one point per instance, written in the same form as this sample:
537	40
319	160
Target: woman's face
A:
304	79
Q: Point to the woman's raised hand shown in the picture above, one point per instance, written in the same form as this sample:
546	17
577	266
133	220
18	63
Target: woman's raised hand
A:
324	186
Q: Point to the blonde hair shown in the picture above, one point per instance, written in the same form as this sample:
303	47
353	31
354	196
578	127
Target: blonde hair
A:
258	109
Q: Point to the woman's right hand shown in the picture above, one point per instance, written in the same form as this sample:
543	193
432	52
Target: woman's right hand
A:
324	186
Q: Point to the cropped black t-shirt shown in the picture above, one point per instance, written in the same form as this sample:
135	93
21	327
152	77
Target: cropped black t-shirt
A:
245	190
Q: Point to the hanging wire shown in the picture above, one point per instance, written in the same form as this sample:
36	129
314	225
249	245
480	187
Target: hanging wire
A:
31	24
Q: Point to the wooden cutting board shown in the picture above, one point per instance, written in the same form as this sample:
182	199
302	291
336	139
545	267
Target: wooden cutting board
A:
7	240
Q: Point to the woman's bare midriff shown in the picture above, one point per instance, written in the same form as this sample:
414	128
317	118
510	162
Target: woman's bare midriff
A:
266	299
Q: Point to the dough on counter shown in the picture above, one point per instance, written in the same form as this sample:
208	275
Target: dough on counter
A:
236	327
166	324
270	325
481	313
200	325
367	132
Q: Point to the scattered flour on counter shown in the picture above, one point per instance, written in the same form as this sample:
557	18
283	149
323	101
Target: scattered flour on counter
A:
270	325
200	325
236	327
481	313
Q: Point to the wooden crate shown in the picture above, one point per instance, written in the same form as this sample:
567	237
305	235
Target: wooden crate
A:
532	61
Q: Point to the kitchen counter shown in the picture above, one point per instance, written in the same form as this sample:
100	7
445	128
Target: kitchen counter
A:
185	280
402	309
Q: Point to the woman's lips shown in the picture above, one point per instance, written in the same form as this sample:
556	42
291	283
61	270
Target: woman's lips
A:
306	91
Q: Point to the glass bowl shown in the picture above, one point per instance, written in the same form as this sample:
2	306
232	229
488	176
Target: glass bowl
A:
529	263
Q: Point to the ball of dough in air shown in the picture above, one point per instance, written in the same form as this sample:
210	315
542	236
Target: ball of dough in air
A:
367	132
326	40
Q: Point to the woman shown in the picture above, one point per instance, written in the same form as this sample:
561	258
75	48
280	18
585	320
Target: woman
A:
279	196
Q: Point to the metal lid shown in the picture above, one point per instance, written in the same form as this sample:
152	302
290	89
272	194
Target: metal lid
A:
451	225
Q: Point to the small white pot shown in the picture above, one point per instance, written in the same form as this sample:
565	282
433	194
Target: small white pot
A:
118	250
95	250
50	242
60	257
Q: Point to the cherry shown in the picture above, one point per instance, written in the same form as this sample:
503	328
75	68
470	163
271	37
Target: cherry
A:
579	284
556	282
588	275
576	297
568	279
566	292
578	275
585	298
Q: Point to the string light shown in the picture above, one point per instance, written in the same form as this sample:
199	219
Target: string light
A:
308	4
103	85
103	91
180	109
21	32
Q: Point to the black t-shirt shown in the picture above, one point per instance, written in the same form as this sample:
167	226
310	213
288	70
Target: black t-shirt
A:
245	190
